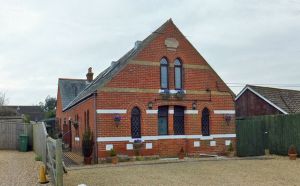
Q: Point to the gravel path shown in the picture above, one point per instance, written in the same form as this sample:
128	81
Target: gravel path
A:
18	168
278	171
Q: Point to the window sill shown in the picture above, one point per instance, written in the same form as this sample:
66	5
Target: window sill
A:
171	91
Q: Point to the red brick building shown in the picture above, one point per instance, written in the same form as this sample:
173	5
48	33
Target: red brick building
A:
162	91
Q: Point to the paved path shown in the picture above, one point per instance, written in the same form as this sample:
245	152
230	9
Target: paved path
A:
18	168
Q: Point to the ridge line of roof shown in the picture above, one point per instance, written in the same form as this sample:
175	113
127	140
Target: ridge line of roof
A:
129	55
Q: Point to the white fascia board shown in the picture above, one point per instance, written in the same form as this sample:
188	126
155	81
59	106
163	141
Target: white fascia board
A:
262	97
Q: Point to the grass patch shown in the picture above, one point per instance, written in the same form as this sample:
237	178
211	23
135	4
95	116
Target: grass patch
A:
38	158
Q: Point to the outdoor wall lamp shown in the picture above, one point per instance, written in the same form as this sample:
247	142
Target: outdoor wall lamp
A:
194	105
227	118
150	105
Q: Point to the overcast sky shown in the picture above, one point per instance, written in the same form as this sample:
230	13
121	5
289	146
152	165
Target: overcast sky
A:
244	41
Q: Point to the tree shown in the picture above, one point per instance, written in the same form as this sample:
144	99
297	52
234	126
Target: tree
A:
3	99
49	107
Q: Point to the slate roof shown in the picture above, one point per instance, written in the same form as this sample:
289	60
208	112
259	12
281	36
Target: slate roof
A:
288	100
35	112
70	88
114	68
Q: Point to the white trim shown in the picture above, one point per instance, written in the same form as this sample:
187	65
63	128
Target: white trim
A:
151	111
227	142
224	111
105	139
149	146
77	139
171	91
111	111
262	97
191	111
172	111
129	146
109	147
212	143
197	144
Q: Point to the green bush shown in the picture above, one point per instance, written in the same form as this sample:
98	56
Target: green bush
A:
38	158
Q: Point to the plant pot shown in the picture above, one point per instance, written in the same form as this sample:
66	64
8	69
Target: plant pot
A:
181	156
88	160
114	160
230	154
293	156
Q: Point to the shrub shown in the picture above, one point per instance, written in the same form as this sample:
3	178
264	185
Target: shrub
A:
38	158
87	143
112	152
230	147
292	149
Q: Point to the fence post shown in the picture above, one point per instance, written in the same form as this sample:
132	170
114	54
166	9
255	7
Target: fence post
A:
58	163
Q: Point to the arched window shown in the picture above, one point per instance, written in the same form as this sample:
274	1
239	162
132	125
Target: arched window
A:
164	80
178	74
178	120
135	123
163	120
205	122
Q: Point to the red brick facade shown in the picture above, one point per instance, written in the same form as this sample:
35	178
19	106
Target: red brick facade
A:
138	83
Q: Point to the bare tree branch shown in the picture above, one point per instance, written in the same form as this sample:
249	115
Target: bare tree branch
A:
3	99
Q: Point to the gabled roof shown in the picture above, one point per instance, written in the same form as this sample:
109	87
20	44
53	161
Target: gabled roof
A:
287	101
69	89
115	67
34	112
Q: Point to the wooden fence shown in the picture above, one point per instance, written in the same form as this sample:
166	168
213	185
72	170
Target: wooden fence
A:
51	152
275	133
10	130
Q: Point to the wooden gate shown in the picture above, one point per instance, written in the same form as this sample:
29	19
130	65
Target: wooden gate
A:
51	152
10	130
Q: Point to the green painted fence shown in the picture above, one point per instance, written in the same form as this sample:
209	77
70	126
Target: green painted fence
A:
275	133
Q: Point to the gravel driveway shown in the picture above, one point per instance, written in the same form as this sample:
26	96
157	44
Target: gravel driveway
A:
18	168
278	171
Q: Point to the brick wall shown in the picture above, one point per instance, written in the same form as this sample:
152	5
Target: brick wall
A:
138	83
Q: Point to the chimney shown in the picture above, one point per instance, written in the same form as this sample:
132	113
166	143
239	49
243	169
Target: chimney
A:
89	75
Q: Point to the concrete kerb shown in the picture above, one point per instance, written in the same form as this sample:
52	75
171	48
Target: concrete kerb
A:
167	161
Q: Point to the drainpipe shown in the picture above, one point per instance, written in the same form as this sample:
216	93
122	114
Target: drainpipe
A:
95	127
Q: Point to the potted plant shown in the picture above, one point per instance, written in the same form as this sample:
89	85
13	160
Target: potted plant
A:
292	152
117	120
180	94
181	154
137	146
230	150
165	94
114	157
87	146
75	124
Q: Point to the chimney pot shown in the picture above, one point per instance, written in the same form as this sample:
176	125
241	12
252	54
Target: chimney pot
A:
89	75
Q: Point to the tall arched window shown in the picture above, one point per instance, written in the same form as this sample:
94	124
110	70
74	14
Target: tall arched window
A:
164	80
178	120
178	74
135	123
205	122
